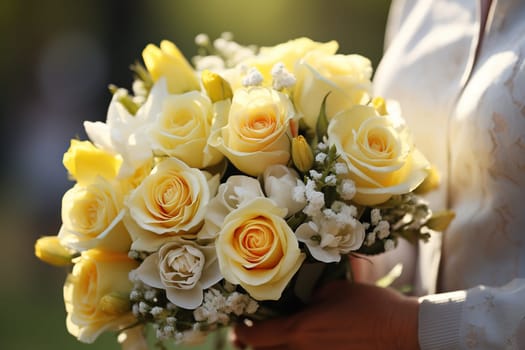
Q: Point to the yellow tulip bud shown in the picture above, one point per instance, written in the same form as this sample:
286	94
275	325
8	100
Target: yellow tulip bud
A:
167	61
302	154
114	304
379	104
49	250
85	162
216	87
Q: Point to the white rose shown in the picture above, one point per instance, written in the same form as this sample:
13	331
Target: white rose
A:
170	202
280	182
183	269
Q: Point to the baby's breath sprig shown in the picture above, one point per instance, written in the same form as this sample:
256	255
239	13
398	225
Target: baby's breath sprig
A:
408	215
222	53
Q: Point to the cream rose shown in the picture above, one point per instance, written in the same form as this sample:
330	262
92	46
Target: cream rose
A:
345	77
179	126
257	131
170	202
257	249
183	269
92	217
96	294
379	152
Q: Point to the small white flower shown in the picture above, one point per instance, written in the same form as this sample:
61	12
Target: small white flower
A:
144	308
314	174
200	314
252	78
252	306
370	238
156	311
321	146
347	189
331	180
341	169
320	157
150	294
282	78
375	216
389	245
299	192
211	62
202	39
382	230
135	295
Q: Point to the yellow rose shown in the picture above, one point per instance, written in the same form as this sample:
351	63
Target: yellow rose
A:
379	153
167	61
179	126
287	53
92	217
258	250
345	77
257	132
85	162
170	202
96	294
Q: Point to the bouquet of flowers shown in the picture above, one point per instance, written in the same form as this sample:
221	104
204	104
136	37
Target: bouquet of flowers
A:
231	188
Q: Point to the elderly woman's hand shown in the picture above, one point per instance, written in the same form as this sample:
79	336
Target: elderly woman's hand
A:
343	315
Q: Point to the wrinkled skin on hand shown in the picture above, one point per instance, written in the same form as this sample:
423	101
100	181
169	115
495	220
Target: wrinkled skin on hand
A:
343	315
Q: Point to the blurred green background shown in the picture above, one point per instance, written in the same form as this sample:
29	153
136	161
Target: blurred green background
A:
57	58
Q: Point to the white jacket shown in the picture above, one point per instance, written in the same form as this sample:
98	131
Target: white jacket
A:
464	99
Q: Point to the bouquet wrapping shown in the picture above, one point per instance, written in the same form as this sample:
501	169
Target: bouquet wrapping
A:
231	188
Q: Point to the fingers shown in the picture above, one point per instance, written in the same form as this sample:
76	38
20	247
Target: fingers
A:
263	335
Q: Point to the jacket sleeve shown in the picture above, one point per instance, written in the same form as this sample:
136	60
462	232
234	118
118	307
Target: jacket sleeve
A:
478	318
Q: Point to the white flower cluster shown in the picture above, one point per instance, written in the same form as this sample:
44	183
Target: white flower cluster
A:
217	307
380	231
281	77
223	53
333	228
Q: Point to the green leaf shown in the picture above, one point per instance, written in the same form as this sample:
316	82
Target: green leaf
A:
390	277
322	121
441	220
142	73
125	99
